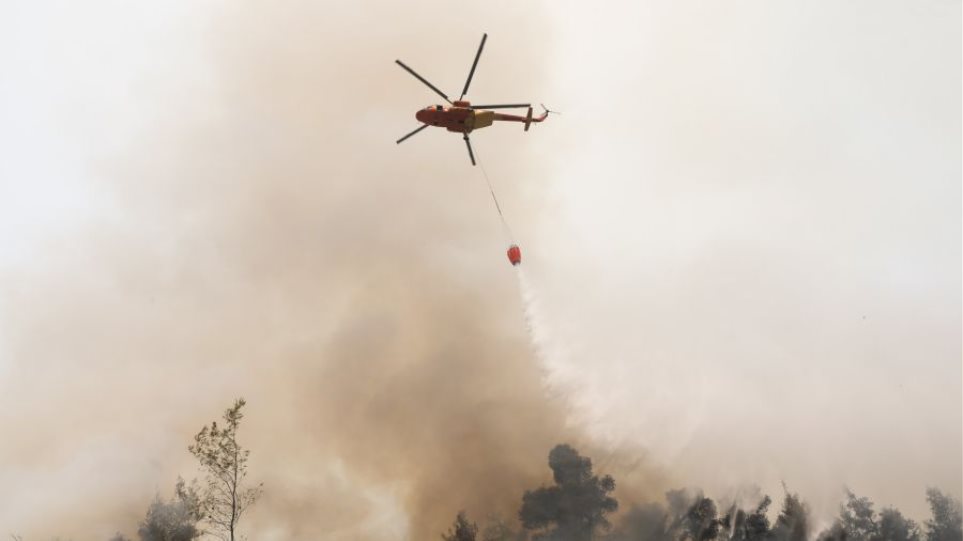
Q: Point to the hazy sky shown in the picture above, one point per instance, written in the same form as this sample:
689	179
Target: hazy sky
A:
741	240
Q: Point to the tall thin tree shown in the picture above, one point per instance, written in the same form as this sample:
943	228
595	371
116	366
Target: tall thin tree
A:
225	495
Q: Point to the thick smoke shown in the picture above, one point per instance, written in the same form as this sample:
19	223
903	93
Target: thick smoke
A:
239	222
265	238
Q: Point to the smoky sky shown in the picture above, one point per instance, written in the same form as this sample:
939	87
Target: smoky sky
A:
769	246
742	235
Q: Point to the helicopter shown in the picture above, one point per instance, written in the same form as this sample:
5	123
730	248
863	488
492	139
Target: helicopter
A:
460	116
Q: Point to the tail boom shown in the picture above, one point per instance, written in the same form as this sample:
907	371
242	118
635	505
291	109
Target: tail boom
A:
527	119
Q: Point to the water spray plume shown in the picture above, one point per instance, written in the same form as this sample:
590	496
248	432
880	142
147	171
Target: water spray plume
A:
550	354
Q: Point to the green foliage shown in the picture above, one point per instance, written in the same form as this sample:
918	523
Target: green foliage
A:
700	521
575	507
757	523
225	496
946	523
792	524
833	533
857	518
858	522
175	520
461	530
893	526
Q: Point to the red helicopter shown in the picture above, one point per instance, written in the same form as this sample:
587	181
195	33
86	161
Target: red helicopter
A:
463	117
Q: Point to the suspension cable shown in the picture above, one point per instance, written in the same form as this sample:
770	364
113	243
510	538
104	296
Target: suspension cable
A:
491	189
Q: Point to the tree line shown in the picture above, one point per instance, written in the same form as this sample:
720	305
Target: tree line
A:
576	506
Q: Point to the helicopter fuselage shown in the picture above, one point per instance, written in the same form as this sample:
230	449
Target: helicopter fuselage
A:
456	118
460	118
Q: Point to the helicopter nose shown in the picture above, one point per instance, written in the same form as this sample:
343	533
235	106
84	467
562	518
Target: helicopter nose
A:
422	116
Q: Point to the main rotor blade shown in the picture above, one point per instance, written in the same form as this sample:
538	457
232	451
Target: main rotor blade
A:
503	106
422	79
473	65
470	153
398	142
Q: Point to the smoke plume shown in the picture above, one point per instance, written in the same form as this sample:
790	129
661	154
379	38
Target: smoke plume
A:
260	235
204	201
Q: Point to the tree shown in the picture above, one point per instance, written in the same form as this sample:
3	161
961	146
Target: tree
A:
461	530
688	516
858	522
792	524
757	523
857	518
893	526
573	508
225	496
946	524
701	523
680	504
175	520
833	533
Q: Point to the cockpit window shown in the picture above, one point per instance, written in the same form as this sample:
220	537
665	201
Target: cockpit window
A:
438	108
